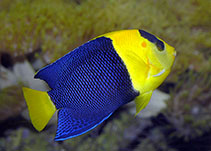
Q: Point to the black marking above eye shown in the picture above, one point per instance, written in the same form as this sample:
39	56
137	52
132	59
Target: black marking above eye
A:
153	39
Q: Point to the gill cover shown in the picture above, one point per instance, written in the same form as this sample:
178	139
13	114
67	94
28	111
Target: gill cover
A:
161	55
127	44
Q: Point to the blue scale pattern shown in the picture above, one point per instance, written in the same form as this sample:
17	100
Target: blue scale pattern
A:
92	82
76	125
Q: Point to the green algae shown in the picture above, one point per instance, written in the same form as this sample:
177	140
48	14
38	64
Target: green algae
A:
188	109
60	26
111	139
11	101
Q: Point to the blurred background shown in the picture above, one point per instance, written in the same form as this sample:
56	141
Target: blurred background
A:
34	33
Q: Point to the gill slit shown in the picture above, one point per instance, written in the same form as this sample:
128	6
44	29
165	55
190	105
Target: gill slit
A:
160	73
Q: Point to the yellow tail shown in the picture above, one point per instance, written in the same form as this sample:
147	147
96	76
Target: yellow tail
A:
40	106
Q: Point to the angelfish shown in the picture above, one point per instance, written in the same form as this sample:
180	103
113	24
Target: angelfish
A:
89	83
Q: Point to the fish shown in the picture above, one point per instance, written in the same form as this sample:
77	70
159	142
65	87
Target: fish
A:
88	84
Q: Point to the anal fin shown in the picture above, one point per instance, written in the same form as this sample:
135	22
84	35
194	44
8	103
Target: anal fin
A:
71	125
142	101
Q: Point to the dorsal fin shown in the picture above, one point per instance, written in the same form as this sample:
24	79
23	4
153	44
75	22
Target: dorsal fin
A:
66	64
50	74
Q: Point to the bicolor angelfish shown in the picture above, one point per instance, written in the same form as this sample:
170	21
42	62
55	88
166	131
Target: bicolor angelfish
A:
89	83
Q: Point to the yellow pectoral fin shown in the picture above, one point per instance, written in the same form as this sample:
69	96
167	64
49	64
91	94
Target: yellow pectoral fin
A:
142	101
40	106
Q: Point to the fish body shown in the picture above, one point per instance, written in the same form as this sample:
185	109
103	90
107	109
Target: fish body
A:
92	81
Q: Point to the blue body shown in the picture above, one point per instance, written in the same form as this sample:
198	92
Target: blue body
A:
88	85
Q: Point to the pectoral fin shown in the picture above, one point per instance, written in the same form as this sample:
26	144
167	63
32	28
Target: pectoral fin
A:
142	101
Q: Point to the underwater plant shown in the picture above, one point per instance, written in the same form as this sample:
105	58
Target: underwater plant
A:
189	107
59	26
11	101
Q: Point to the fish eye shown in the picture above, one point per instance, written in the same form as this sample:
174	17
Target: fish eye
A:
160	45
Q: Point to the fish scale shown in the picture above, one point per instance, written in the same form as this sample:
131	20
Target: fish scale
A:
107	62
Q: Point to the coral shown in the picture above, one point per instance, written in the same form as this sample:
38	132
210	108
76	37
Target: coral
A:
110	139
59	26
56	27
153	142
189	108
11	101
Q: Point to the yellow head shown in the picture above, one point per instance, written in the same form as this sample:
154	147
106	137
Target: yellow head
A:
147	58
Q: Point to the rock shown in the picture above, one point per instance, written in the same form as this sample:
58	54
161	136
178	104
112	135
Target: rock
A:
7	78
11	102
22	72
11	82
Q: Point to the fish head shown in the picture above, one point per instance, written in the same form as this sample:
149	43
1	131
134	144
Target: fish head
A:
159	54
159	57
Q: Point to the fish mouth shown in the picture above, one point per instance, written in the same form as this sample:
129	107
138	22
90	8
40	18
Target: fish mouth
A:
175	53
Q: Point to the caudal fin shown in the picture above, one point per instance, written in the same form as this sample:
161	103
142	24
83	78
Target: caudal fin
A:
40	107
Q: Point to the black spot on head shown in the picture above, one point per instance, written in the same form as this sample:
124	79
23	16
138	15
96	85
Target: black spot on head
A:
148	36
153	39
